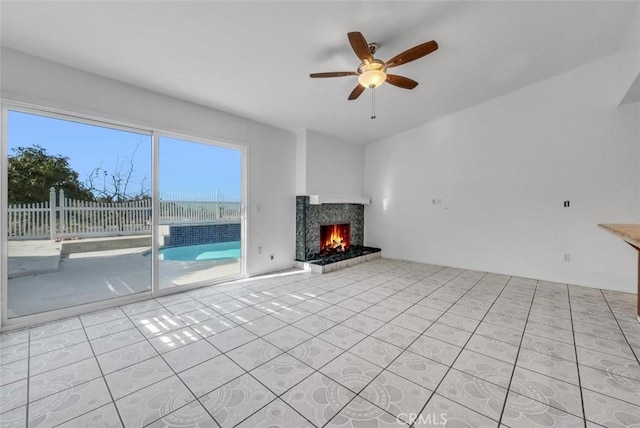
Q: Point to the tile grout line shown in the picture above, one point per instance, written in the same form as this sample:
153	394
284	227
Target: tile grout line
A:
315	336
432	322
127	316
81	383
166	308
221	353
618	323
403	349
337	324
463	348
413	341
504	405
575	349
330	304
387	322
160	354
104	379
341	349
278	396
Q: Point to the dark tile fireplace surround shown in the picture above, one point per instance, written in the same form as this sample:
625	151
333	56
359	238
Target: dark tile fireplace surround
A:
309	219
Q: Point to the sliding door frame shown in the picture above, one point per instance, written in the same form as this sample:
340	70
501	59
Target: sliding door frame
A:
157	291
4	216
7	323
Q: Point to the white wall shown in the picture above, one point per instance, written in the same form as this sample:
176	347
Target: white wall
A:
629	57
333	167
271	151
502	170
301	162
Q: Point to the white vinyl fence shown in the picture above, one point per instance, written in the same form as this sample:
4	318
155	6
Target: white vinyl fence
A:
29	221
63	217
179	209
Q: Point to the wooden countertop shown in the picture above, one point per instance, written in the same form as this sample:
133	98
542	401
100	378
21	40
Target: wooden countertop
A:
629	232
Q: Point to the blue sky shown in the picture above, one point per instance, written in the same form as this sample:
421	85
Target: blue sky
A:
186	168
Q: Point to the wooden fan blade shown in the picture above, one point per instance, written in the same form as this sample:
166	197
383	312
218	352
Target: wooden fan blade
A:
356	92
412	54
334	74
401	81
360	46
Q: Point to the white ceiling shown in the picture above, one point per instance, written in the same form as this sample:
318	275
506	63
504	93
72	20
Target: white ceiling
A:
254	58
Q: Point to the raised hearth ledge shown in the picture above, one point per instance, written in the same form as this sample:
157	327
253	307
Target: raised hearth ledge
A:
310	266
317	200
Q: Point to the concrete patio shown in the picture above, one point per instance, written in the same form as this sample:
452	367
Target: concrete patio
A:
44	278
33	257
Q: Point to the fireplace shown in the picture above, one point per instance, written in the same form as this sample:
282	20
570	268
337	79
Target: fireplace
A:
330	235
335	238
327	229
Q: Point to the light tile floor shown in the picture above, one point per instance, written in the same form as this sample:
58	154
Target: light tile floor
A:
383	344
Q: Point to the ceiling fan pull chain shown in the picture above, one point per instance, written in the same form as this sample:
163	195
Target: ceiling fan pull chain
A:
373	103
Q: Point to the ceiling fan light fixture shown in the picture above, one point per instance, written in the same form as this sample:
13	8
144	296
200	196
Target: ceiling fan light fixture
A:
372	74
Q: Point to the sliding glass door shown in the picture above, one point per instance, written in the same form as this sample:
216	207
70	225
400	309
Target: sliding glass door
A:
99	214
200	213
79	204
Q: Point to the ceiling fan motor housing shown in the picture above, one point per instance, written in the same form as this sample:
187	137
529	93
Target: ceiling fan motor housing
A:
372	74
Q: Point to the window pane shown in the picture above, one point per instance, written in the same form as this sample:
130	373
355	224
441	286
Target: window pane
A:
200	221
79	220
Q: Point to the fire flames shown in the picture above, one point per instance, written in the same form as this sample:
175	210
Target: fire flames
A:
335	237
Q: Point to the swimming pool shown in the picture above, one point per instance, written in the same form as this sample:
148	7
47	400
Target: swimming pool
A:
203	252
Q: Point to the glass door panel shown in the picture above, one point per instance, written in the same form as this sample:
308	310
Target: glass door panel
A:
200	218
79	213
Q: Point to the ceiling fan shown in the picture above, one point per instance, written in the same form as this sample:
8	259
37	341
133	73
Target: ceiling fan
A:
372	72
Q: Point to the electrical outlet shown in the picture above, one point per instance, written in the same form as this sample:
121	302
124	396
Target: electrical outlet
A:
567	257
436	201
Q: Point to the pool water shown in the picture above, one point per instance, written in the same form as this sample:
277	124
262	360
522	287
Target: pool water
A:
218	251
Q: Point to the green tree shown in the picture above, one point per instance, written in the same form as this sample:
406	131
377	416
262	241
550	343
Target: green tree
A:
33	171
